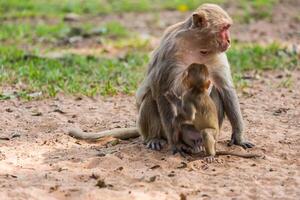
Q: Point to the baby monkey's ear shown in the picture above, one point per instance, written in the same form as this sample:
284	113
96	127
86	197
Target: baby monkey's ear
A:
207	84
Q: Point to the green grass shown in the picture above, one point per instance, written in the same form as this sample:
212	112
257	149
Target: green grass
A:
90	75
248	57
33	8
114	29
54	28
41	32
256	10
27	32
30	8
72	74
24	67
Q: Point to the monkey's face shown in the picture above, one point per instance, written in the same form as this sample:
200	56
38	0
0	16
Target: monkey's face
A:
212	24
223	37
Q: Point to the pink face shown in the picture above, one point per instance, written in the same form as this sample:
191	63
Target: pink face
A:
224	41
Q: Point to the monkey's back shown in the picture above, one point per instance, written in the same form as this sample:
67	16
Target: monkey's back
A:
206	113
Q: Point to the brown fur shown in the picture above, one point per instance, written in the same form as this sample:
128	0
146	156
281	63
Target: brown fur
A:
195	40
197	108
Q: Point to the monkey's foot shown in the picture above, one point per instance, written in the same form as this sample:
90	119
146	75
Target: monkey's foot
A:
156	144
185	150
209	159
245	145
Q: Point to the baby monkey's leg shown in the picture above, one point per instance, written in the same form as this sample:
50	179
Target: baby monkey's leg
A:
209	143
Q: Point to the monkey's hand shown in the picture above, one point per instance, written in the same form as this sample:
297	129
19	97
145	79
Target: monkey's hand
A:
240	141
182	149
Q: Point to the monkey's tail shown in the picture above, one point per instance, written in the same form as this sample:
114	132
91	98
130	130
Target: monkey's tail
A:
242	155
120	133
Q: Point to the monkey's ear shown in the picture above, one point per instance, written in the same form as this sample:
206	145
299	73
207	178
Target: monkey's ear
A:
207	84
199	20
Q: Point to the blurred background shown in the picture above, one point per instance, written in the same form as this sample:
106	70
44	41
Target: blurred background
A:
101	47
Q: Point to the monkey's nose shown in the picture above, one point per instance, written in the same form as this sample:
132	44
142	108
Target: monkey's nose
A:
228	40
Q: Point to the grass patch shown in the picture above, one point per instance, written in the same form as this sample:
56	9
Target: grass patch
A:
249	57
133	43
113	29
28	32
90	75
255	57
51	33
34	8
72	74
256	10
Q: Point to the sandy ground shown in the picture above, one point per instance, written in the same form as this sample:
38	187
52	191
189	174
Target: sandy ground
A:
39	161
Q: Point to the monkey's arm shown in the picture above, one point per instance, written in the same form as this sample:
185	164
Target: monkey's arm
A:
223	81
173	98
120	133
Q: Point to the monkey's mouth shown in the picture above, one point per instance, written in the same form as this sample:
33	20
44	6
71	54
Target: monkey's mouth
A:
224	46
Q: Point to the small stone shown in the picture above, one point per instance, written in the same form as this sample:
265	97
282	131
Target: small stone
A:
120	168
172	174
155	167
101	154
37	114
94	176
101	184
152	179
8	110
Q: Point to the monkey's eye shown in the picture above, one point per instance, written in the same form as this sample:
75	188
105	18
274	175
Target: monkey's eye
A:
203	52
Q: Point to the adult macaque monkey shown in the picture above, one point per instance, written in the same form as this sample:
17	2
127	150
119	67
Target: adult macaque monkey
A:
201	38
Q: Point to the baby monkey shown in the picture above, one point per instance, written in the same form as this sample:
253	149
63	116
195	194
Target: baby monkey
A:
196	108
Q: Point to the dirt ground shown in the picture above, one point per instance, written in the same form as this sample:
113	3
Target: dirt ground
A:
38	160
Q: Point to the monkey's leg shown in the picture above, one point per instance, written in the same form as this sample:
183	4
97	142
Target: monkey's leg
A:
233	112
166	115
209	143
215	95
149	124
223	81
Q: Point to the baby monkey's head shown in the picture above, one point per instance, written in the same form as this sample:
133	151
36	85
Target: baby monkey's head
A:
196	76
